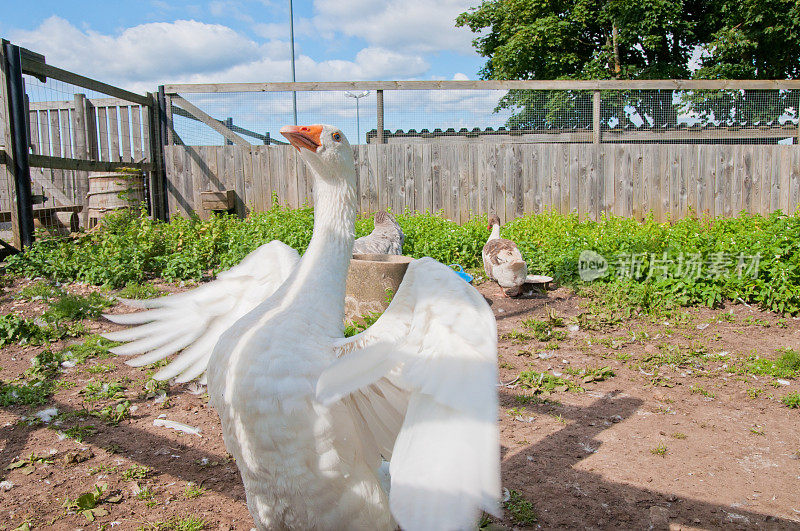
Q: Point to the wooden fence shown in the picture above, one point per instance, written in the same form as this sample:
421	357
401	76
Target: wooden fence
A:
102	129
463	180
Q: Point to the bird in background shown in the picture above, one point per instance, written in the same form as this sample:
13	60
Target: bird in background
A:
311	416
386	238
503	262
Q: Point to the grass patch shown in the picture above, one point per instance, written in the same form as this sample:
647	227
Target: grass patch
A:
520	509
136	290
92	347
35	385
698	389
187	523
95	391
787	365
193	490
136	472
545	383
133	249
660	450
792	400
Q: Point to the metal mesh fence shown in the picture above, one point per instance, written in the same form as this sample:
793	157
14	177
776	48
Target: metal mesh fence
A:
639	115
71	122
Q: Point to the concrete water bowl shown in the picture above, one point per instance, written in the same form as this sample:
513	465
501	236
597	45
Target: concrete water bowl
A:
368	279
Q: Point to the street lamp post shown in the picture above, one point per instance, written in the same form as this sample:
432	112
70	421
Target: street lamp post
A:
358	118
291	38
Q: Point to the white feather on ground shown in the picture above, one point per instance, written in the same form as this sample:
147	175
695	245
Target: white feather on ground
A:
386	238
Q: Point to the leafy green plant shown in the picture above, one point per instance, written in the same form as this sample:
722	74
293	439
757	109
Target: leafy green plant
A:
134	249
92	347
80	433
114	414
136	472
193	490
791	400
39	290
787	365
95	391
660	450
176	523
136	290
88	502
597	374
520	509
545	383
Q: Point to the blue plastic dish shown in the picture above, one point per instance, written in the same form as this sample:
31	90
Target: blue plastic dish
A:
463	274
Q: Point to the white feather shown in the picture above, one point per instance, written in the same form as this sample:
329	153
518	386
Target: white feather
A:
196	318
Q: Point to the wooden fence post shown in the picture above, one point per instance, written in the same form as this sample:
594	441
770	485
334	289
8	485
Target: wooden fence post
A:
379	94
158	180
596	117
12	98
82	151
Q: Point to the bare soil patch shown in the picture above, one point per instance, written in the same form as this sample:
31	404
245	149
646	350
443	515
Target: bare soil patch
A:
686	445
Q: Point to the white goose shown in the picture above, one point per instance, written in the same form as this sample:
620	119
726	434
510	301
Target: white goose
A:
309	414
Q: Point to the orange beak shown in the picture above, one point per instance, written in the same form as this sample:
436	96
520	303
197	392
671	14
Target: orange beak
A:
305	136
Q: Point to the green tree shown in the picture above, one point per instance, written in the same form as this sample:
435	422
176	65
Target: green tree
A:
619	39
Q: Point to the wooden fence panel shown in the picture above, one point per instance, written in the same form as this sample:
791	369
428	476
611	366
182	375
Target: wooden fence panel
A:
463	180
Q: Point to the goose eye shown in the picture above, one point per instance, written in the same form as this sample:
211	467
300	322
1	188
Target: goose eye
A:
337	137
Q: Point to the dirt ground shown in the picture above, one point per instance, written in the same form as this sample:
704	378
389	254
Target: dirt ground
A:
681	446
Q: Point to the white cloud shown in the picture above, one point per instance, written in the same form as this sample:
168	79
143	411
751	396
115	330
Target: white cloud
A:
185	51
411	25
148	52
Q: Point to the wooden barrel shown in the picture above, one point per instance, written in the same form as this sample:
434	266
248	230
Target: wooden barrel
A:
111	192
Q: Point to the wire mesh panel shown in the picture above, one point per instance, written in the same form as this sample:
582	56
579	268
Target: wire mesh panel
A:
629	151
66	123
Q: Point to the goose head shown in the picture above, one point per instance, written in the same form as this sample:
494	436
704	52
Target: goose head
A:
325	149
493	220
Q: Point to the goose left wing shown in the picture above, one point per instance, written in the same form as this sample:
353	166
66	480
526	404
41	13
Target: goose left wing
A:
193	321
422	380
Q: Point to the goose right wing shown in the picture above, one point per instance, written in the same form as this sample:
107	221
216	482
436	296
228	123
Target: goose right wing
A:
194	321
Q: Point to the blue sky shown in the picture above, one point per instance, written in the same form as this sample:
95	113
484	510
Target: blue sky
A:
140	45
145	43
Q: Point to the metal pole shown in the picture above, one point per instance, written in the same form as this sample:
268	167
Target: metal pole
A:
358	119
19	141
358	124
294	79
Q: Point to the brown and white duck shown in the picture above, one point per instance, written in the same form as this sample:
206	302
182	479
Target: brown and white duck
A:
503	262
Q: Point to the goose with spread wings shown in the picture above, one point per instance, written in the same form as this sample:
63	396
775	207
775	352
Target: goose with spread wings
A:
311	416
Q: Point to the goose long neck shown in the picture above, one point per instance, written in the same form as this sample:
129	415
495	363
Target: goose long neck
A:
323	269
495	232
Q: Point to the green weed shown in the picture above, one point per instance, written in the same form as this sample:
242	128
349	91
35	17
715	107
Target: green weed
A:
92	347
787	365
136	472
188	523
135	290
545	383
95	391
193	490
792	400
660	450
520	509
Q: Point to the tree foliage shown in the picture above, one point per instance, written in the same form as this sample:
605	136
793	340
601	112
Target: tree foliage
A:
647	39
